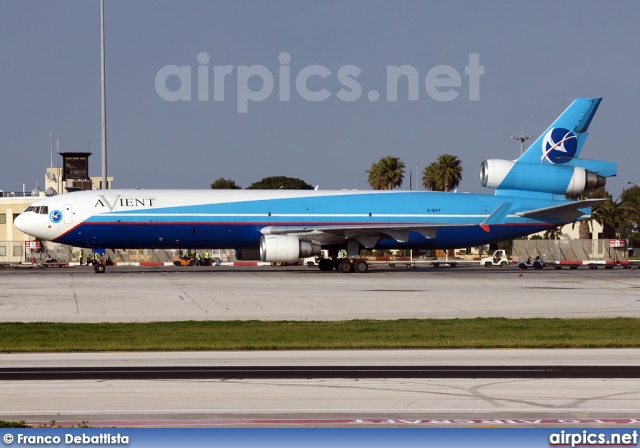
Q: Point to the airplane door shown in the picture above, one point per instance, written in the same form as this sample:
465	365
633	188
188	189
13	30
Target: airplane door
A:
68	214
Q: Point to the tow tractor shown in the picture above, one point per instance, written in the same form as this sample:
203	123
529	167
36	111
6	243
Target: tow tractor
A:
184	260
499	258
536	263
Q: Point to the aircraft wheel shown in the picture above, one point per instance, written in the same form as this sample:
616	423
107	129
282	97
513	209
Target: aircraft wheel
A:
98	268
360	266
503	264
325	265
345	267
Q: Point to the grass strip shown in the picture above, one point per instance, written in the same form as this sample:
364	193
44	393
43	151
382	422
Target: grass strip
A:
300	335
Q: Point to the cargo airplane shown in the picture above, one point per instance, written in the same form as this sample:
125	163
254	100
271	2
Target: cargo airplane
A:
286	225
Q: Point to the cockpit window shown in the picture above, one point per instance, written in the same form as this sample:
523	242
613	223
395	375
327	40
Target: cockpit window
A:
29	209
36	209
44	210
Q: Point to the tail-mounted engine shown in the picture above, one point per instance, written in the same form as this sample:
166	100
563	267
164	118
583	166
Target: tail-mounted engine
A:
544	178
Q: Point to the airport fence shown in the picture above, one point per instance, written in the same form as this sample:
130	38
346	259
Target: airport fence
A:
549	250
12	251
16	252
562	250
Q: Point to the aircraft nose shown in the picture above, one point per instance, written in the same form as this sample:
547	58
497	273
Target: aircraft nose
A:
21	222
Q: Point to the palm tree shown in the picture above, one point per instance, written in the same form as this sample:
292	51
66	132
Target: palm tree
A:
386	174
631	198
444	174
450	170
609	214
584	225
431	178
554	233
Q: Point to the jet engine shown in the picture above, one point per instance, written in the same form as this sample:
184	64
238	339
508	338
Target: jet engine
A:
286	248
543	178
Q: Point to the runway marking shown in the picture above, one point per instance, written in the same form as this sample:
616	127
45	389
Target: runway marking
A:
332	410
352	421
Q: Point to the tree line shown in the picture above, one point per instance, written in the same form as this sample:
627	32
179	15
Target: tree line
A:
619	218
444	174
387	173
267	183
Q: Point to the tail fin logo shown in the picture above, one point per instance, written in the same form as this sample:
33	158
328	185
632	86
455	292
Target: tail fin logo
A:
559	146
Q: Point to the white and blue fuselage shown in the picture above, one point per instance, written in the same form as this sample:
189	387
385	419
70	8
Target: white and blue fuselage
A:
158	219
288	224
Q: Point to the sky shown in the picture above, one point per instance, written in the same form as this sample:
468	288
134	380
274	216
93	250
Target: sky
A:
198	90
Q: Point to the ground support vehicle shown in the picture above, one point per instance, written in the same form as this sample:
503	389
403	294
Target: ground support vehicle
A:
536	263
499	258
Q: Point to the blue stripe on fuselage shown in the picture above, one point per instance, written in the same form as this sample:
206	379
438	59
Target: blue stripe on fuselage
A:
400	207
238	224
243	236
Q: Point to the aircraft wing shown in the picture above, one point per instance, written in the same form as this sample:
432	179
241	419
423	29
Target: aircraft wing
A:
367	235
566	212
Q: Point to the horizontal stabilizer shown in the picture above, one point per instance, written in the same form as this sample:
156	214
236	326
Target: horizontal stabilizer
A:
565	212
601	167
499	214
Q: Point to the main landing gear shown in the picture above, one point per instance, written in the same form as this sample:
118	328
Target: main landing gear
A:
344	265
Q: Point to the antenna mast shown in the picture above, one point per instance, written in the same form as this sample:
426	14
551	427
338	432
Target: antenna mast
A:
104	104
522	139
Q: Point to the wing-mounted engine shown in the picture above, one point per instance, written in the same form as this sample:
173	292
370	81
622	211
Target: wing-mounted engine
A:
286	248
542	178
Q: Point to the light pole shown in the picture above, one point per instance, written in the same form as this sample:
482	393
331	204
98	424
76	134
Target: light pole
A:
104	102
522	138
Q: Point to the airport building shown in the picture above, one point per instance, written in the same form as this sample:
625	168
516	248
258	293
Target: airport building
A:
73	175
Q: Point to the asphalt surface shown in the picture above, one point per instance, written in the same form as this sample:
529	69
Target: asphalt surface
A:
315	388
136	294
302	372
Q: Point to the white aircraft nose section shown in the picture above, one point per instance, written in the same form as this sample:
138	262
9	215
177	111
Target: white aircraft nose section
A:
21	222
27	222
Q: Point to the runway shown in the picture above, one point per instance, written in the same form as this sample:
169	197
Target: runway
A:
606	395
299	372
332	401
134	294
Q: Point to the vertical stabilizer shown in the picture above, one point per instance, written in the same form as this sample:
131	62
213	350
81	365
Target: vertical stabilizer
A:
563	140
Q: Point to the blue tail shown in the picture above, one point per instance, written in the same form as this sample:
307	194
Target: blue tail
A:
551	166
563	140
